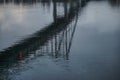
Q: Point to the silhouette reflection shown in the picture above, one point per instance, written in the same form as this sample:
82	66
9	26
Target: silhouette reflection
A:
54	40
51	32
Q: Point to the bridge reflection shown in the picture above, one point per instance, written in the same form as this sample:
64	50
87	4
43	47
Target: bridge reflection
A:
55	39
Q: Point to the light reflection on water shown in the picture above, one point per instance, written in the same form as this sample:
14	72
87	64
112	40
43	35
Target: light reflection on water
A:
18	22
94	54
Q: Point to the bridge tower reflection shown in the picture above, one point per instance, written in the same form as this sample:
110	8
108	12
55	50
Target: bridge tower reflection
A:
60	43
55	39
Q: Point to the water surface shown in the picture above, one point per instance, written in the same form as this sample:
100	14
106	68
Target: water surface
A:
60	41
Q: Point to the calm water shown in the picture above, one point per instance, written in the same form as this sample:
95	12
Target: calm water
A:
59	40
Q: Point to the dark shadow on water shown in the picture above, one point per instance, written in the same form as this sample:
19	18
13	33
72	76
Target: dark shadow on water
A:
41	37
54	40
115	2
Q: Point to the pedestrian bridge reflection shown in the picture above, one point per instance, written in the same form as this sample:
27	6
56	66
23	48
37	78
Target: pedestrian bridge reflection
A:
54	40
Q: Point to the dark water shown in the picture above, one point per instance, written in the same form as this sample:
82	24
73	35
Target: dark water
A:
59	40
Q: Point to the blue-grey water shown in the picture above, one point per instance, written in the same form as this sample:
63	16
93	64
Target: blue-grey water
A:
60	40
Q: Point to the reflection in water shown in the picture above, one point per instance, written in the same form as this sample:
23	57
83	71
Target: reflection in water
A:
19	21
49	30
54	41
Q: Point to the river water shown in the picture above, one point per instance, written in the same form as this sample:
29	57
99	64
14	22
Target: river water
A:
86	48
